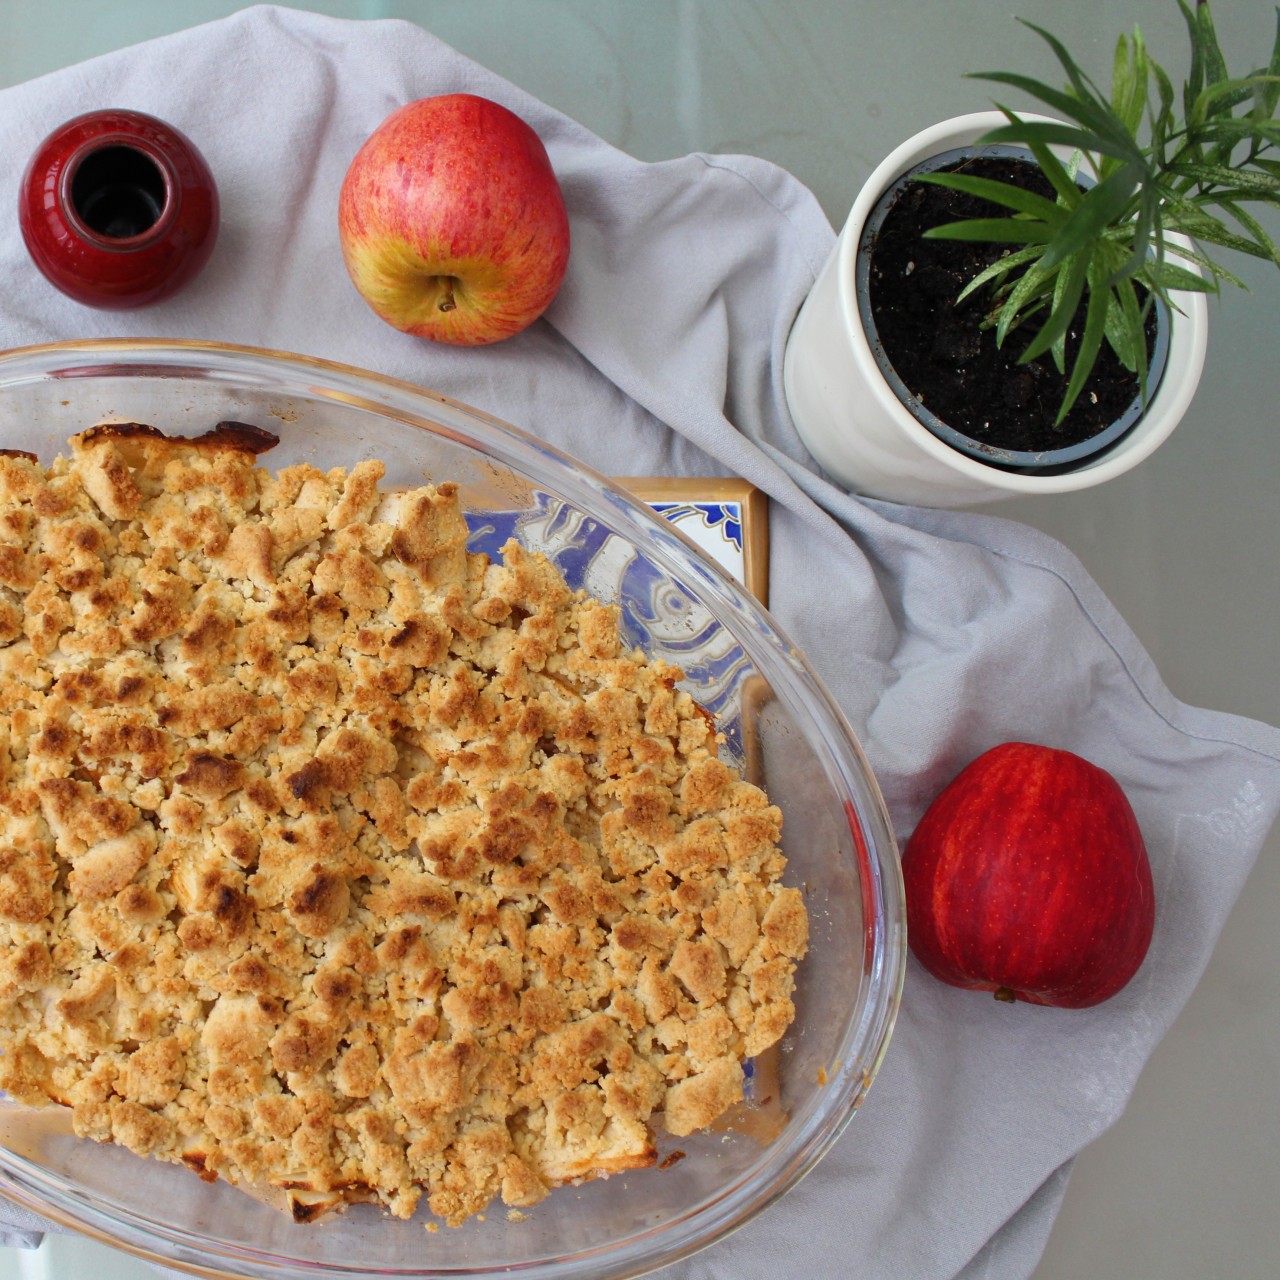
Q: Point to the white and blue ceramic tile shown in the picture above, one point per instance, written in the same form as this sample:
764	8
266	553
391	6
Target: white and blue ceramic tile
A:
715	526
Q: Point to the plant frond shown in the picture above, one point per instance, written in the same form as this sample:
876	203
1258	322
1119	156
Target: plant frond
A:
1222	97
1086	356
1026	132
1195	72
993	231
1012	197
1094	116
1162	119
1103	205
1260	235
1168	275
1130	73
1030	293
998	270
1267	98
1215	66
1229	131
1125	330
1084	87
1193	221
1239	182
1070	286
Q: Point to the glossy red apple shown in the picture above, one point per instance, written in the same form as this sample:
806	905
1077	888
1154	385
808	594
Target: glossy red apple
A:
1028	876
452	222
118	209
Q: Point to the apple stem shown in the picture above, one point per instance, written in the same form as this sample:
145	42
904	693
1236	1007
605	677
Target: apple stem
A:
1005	994
448	303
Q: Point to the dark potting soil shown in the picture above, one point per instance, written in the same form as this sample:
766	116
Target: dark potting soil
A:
941	352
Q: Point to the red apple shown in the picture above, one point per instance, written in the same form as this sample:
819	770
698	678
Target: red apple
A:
452	223
1027	876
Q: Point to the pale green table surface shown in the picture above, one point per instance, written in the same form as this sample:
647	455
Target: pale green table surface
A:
1188	1183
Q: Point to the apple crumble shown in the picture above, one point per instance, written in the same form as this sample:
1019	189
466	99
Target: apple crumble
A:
337	859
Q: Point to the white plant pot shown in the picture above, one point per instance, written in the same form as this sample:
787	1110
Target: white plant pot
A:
861	434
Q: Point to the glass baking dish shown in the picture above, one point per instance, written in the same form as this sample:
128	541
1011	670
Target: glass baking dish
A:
780	725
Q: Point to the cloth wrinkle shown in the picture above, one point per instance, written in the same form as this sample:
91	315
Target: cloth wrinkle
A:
722	162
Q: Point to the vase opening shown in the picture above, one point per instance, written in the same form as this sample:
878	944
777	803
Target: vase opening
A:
119	192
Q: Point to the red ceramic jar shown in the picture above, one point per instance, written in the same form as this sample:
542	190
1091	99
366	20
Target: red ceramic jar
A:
118	209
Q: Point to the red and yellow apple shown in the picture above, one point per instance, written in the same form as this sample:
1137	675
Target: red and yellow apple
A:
1028	876
452	222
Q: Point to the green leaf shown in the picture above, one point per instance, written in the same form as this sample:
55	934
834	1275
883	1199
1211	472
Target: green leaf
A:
1063	182
1101	206
1049	134
1215	66
1254	228
1005	193
1269	166
1229	132
1129	76
1217	233
1268	95
1215	199
1110	254
1193	221
1032	288
1011	318
1164	86
1143	229
1220	98
1059	353
993	231
1240	181
1125	332
1121	78
1161	121
1059	348
1095	324
1195	74
999	269
1096	117
1084	87
1188	253
1236	198
1070	286
1032	135
1168	275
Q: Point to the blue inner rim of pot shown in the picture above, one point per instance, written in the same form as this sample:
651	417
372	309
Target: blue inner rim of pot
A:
1048	462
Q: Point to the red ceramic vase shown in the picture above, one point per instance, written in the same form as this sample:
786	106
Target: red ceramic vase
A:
118	209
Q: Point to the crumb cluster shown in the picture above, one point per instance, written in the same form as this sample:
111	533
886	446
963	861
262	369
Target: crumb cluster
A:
337	859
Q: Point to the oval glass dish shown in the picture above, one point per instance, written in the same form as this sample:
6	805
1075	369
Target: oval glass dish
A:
780	725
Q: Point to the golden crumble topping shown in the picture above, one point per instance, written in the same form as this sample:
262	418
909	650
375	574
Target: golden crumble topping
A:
339	860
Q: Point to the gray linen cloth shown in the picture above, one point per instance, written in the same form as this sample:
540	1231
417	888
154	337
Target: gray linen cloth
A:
940	634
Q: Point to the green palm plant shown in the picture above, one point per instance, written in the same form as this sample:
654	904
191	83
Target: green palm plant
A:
1195	169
